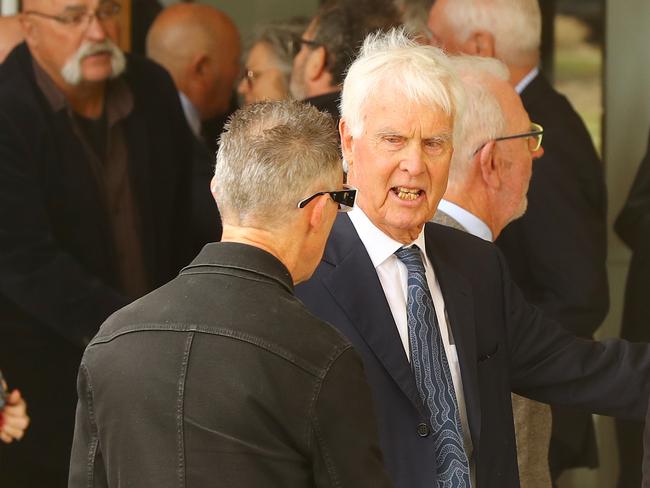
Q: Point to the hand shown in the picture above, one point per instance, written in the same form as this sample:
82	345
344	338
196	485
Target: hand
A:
13	418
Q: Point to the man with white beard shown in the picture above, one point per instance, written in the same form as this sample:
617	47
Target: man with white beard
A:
95	156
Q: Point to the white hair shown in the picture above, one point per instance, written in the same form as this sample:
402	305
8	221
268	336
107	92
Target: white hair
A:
71	71
483	119
515	24
397	65
272	155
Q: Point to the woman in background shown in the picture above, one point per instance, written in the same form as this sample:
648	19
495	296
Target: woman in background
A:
268	60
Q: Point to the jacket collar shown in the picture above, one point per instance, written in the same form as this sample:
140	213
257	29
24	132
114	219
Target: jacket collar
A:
243	257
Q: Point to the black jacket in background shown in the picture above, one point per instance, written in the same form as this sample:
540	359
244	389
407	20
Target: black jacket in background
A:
557	251
329	102
222	378
58	272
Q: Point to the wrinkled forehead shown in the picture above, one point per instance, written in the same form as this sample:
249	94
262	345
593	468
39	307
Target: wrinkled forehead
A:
60	5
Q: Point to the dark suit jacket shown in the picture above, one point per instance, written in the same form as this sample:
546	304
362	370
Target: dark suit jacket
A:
222	378
503	342
58	278
329	102
557	250
206	220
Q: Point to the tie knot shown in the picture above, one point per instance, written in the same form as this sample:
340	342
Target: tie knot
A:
411	257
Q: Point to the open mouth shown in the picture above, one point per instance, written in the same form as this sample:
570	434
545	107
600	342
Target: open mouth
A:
408	194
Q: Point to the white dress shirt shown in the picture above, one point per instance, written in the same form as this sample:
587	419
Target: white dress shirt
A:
393	277
191	114
469	221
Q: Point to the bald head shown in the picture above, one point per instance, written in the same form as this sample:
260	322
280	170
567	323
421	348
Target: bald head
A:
11	34
199	46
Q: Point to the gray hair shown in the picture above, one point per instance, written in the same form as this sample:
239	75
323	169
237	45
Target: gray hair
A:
515	24
395	63
271	156
483	119
283	38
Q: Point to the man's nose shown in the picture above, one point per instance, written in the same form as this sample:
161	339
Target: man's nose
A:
96	29
413	159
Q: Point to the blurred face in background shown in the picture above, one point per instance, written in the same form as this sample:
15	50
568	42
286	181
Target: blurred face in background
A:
262	79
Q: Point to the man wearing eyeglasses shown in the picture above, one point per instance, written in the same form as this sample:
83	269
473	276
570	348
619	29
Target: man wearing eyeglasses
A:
488	181
222	378
557	251
94	197
444	333
328	46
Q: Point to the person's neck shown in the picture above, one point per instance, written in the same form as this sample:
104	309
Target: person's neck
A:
518	73
476	203
271	242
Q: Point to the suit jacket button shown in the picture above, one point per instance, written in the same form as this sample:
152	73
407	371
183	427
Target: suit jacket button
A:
423	430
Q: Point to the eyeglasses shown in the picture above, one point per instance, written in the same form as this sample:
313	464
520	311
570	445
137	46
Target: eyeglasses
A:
535	137
309	42
81	18
345	198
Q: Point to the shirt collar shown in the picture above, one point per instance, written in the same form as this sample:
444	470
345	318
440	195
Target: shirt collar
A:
468	220
379	246
191	114
525	81
119	99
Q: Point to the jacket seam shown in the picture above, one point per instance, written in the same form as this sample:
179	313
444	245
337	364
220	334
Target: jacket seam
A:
313	429
94	433
180	412
251	339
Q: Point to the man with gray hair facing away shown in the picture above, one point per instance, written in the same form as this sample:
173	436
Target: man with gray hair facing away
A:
222	378
557	251
488	180
444	333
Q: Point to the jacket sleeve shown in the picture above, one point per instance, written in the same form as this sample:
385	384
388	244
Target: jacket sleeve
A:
86	464
635	215
37	275
551	365
345	442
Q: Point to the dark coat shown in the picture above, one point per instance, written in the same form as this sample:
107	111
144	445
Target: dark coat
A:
504	344
58	277
557	251
329	103
223	378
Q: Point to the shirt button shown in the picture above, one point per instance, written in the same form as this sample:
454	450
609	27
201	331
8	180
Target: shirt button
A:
423	430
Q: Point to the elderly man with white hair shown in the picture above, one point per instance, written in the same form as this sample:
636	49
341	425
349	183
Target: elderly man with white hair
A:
444	332
488	180
557	251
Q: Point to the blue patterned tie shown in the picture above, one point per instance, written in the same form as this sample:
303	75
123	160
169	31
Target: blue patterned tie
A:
432	375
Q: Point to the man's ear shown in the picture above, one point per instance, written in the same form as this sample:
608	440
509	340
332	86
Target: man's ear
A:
317	212
489	164
28	28
480	43
347	143
316	63
213	187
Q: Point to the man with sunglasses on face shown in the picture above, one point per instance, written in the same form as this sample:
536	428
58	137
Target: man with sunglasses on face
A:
222	378
329	45
94	197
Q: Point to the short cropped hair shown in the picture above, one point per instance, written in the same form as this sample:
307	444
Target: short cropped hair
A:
515	24
483	119
271	156
342	25
398	65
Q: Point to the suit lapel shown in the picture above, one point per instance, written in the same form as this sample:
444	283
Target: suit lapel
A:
354	284
457	295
